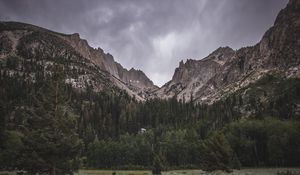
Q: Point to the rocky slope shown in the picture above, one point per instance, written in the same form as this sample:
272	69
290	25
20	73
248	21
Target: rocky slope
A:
191	76
85	66
225	71
135	79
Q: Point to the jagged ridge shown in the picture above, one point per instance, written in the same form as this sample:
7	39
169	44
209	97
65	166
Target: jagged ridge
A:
225	71
29	41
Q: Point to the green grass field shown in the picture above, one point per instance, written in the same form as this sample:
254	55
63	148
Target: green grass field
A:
254	171
118	172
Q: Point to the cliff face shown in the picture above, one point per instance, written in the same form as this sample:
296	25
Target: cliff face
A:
225	71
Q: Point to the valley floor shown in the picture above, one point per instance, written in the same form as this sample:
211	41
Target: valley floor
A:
251	171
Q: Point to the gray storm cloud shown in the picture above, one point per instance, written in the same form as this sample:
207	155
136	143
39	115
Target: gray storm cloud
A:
152	35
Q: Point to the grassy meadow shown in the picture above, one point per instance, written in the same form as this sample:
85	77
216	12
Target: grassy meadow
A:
252	171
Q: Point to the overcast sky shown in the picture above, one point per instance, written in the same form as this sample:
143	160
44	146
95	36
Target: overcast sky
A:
152	35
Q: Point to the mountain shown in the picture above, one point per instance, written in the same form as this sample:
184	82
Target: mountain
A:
136	80
226	71
191	76
32	49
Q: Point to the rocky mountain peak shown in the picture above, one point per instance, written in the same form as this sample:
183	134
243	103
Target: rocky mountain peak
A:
225	71
40	42
136	80
185	65
222	50
134	70
191	68
281	42
75	36
220	55
181	63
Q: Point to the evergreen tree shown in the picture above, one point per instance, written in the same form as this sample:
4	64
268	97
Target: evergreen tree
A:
157	155
216	153
51	142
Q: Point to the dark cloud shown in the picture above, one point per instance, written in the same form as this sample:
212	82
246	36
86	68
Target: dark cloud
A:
152	35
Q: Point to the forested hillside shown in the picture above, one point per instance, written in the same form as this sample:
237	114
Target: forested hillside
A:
104	129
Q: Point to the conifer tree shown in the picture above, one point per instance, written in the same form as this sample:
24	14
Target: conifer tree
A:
217	153
51	142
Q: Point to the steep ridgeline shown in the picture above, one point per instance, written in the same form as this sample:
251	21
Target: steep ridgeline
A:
135	80
191	76
31	48
226	71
